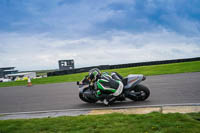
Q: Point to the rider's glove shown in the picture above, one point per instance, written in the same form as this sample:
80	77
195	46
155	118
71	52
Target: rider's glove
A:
91	84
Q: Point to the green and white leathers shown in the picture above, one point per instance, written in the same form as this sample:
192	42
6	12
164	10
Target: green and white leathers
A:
106	83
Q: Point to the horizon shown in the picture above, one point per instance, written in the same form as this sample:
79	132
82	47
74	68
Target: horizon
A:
100	65
35	34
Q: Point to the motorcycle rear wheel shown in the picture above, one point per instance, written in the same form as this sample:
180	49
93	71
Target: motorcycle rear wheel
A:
145	92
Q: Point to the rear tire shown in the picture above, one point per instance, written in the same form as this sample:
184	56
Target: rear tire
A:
145	92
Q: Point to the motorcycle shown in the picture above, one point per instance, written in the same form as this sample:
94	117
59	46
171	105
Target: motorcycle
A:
132	90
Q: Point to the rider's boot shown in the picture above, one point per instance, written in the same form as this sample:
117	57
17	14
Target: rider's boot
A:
109	99
105	101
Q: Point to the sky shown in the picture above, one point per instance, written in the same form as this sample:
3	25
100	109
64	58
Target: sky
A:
35	34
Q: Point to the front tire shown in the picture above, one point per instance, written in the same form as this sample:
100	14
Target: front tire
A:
143	91
86	99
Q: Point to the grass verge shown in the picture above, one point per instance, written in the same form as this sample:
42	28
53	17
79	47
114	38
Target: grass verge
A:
112	123
1	115
146	70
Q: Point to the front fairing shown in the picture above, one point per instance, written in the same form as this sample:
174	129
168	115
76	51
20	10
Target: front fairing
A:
81	87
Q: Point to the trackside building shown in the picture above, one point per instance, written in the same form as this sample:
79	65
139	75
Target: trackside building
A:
7	70
21	75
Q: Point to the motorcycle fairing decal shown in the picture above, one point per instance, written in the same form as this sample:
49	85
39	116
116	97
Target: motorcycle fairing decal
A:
132	80
101	87
119	90
103	80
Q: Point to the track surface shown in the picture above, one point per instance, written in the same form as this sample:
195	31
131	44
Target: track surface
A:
165	89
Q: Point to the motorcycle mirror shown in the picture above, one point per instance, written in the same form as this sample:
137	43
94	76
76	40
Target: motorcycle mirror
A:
77	83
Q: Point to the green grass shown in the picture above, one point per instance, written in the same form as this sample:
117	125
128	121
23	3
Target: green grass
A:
109	123
1	115
146	70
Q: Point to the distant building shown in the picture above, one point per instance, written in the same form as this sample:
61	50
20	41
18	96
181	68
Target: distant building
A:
66	64
7	70
21	75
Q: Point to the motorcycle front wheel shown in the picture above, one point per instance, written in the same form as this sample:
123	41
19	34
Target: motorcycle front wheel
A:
86	99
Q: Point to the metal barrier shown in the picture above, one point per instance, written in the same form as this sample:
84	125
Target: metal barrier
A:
104	67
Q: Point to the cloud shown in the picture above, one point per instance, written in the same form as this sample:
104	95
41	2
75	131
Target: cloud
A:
83	18
42	52
35	34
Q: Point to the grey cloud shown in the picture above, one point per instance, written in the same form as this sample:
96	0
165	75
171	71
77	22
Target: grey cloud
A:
41	52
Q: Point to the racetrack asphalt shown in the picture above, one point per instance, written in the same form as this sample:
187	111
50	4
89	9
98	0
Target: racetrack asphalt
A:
165	89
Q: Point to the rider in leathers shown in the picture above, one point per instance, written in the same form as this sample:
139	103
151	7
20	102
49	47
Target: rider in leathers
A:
106	82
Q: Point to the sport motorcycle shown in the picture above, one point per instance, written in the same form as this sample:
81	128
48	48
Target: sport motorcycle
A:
132	90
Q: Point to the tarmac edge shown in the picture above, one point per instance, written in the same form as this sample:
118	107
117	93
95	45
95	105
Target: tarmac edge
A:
145	110
187	108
